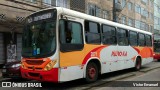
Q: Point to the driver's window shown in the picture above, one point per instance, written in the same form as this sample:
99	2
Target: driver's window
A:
71	32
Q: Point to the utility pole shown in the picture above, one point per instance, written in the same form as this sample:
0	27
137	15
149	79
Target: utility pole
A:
114	11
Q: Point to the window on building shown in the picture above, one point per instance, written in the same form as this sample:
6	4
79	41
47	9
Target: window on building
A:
105	14
92	32
158	21
47	2
116	1
156	7
151	16
147	14
141	39
109	34
145	1
144	12
123	3
133	38
148	40
137	24
151	28
32	1
93	10
155	20
151	3
137	8
130	6
61	3
123	19
159	9
130	22
122	36
143	25
98	11
147	27
118	19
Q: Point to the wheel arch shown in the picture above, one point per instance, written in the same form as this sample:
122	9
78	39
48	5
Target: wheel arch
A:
136	59
94	60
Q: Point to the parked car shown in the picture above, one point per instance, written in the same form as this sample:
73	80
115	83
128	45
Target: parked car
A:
156	56
12	70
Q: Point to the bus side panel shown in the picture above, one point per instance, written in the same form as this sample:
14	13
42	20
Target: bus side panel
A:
115	58
72	64
127	58
146	54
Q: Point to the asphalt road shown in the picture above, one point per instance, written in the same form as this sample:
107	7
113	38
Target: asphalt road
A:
143	77
149	72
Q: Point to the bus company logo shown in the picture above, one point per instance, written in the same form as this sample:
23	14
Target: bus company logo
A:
119	53
33	68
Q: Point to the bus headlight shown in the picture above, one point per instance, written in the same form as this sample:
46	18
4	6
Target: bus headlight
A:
50	65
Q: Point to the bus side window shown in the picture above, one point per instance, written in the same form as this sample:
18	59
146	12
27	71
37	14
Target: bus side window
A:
109	34
133	38
122	37
92	32
141	39
148	40
70	35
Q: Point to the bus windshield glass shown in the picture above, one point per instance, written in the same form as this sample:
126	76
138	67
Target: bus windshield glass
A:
39	36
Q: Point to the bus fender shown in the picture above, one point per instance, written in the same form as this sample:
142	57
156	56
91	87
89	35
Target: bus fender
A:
92	60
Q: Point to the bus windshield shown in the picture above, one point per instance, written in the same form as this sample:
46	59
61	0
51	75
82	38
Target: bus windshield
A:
39	39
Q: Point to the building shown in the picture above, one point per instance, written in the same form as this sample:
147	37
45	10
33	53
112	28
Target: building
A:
12	16
135	13
157	19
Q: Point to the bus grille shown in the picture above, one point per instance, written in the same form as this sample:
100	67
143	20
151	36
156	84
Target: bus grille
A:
34	62
34	74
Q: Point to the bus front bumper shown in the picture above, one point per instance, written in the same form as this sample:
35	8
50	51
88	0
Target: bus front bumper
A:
47	76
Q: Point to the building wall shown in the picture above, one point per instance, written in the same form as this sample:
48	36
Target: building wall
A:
12	15
157	19
145	21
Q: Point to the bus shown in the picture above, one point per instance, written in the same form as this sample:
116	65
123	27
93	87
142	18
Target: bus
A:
60	45
156	54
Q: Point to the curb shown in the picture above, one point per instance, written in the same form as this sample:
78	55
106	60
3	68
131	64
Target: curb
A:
148	69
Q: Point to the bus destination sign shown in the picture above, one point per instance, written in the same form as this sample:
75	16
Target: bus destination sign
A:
34	18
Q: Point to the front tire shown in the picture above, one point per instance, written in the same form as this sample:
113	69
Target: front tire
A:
91	72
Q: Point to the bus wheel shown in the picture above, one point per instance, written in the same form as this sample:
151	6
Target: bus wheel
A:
138	64
91	72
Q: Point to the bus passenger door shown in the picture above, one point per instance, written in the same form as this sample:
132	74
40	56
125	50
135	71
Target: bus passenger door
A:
71	48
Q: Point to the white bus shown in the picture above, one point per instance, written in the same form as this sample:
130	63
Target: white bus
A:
62	45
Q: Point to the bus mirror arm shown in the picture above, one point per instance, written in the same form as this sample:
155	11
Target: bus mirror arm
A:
64	17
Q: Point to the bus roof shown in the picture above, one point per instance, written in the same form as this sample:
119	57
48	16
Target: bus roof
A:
73	13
